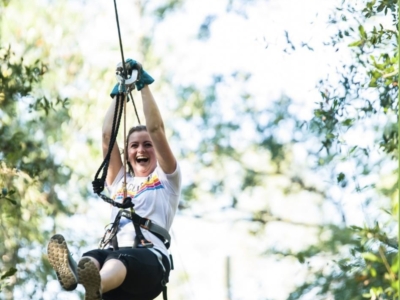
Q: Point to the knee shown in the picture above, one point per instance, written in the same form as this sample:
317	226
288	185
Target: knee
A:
115	263
115	266
94	261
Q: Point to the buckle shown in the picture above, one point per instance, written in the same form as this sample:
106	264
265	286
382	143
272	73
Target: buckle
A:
147	224
145	244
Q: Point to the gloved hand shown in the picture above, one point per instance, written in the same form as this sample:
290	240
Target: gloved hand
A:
115	90
143	77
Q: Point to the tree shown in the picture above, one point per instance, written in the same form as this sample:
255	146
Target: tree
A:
366	93
31	173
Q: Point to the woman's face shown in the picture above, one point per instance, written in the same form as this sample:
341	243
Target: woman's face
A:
141	153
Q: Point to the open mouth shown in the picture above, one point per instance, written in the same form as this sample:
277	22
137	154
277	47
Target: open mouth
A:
142	160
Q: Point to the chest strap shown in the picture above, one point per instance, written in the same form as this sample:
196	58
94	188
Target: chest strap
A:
145	223
138	222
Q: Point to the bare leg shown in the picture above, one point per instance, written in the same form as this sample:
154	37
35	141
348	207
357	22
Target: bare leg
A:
112	274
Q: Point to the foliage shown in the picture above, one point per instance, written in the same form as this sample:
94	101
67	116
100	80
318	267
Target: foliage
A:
29	173
32	176
6	276
362	261
367	264
374	65
250	143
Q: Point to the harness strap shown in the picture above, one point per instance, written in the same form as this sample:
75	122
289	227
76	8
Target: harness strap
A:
138	222
114	231
140	240
164	281
157	230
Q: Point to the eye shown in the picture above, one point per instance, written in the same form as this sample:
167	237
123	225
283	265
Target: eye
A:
148	145
134	145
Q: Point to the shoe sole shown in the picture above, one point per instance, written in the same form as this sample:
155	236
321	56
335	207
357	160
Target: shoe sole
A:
89	277
58	253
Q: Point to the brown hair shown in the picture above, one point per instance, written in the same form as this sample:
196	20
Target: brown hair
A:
137	128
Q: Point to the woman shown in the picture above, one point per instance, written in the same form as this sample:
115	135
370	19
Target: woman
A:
153	184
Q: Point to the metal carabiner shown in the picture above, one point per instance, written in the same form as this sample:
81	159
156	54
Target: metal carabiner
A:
132	76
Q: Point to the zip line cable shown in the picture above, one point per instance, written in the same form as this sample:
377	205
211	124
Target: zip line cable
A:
134	106
120	41
120	108
123	59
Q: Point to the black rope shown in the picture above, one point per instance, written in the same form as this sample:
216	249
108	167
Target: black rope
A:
113	135
98	184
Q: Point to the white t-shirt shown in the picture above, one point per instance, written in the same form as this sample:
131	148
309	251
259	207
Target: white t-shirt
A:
155	197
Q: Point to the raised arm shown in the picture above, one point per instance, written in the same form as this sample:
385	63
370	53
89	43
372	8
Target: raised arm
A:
115	159
155	128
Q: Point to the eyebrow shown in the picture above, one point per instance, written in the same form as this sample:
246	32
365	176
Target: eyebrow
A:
138	142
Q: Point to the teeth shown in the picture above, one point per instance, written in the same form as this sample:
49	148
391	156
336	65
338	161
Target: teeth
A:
142	159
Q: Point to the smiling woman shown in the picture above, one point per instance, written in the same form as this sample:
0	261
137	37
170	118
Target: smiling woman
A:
140	152
133	262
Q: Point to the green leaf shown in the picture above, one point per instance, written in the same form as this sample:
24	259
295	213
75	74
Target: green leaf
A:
355	44
348	122
370	256
340	177
330	136
9	273
395	264
352	149
363	34
354	227
11	200
373	83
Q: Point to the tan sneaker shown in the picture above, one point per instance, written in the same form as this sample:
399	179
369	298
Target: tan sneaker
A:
61	260
89	277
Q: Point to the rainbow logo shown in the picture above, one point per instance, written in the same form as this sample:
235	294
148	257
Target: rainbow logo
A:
150	184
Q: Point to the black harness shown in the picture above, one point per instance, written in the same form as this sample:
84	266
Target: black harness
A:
110	235
138	222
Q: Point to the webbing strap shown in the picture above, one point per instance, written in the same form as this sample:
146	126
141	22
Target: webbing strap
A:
159	257
164	281
157	230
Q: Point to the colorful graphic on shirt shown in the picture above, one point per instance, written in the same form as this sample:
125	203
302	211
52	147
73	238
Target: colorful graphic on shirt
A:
150	184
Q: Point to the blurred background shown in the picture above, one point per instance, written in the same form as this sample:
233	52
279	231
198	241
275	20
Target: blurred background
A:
281	113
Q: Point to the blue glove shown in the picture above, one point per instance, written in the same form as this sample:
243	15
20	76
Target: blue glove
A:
115	90
143	77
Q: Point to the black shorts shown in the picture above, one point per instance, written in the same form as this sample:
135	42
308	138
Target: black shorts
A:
144	272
